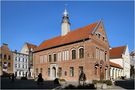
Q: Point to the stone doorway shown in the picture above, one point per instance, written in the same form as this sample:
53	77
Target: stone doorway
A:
53	71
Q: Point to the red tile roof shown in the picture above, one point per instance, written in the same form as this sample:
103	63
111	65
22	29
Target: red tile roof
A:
72	36
117	52
115	65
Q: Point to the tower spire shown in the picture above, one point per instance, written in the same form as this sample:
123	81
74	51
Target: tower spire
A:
65	26
65	11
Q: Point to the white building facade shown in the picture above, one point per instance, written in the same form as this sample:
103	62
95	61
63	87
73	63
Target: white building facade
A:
20	65
132	58
116	71
28	50
120	55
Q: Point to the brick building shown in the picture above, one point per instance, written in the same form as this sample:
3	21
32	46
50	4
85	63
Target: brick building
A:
84	49
6	59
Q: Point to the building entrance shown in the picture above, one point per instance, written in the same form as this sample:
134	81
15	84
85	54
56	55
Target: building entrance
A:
53	71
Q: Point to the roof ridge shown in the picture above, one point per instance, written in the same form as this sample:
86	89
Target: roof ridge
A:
119	46
72	36
116	64
83	27
69	32
30	43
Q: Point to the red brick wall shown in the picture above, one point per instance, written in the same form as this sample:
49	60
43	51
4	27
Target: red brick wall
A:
88	62
4	50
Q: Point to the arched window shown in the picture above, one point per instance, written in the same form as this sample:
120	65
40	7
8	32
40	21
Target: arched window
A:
105	55
55	57
73	54
81	53
50	58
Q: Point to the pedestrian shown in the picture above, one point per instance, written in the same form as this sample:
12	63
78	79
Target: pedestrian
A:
12	77
40	79
9	76
82	78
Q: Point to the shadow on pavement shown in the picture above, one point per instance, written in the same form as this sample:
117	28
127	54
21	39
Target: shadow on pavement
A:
26	84
126	84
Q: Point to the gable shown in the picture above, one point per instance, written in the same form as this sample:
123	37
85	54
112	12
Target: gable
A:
126	52
24	49
100	33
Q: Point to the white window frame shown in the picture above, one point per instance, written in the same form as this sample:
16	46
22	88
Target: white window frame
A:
71	53
63	55
78	51
41	59
67	55
56	57
45	58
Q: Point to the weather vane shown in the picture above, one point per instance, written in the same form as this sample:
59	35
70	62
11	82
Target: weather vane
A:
66	5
